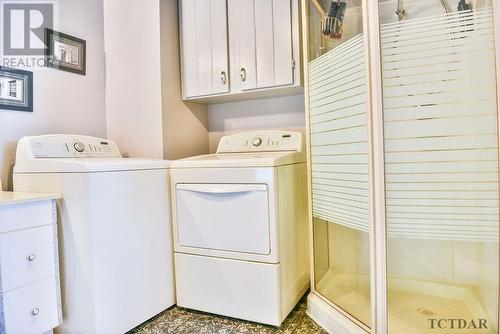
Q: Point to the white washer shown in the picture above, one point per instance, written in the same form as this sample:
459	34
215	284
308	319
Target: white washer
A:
115	234
240	227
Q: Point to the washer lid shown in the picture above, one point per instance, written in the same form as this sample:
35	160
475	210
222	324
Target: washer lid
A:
87	165
240	160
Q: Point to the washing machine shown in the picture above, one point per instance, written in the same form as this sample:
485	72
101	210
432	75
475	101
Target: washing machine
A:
115	235
240	227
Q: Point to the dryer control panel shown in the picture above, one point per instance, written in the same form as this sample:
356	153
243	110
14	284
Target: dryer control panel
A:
262	141
66	146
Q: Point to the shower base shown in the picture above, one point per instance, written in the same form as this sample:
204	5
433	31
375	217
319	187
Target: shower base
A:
412	303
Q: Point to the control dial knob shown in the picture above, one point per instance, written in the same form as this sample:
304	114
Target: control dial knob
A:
79	147
256	141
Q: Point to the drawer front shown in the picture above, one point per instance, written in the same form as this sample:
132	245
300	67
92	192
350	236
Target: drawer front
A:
31	309
224	217
26	257
21	216
240	289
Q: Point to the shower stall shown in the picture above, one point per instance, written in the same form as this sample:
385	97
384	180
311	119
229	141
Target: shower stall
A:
402	121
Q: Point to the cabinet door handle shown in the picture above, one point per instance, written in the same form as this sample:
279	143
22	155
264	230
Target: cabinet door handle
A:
223	77
31	257
35	311
243	74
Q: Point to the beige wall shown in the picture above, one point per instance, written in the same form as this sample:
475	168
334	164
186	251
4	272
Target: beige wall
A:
185	125
145	114
285	113
63	102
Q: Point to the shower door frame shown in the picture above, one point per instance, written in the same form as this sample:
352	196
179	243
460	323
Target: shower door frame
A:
496	32
321	308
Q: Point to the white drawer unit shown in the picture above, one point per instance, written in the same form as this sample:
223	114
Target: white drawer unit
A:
30	298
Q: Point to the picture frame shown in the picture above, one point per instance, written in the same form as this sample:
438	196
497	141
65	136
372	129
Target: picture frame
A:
16	89
65	52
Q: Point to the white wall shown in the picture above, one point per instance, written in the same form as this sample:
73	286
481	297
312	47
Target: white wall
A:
133	78
145	114
63	102
285	113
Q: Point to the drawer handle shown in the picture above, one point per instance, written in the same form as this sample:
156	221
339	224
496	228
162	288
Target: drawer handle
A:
35	311
31	257
223	189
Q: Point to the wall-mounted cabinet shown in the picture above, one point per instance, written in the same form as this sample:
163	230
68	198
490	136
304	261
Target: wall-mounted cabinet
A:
238	49
204	47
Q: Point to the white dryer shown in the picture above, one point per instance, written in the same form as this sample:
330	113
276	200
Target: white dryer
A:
240	227
114	229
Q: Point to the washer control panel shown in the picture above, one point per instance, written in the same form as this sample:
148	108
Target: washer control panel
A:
262	141
70	146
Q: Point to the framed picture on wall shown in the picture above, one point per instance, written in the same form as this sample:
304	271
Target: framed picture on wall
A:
16	89
65	52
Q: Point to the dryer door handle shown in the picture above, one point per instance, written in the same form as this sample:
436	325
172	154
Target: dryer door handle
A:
221	188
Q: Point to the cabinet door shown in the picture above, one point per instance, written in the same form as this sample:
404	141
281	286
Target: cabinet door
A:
241	15
204	47
260	40
282	36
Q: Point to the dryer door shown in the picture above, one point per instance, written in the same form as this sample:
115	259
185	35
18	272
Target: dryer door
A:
224	217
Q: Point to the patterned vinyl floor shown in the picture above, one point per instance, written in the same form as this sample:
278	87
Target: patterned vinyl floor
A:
177	320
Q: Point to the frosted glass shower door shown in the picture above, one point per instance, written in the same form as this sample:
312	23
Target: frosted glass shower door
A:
441	165
339	163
